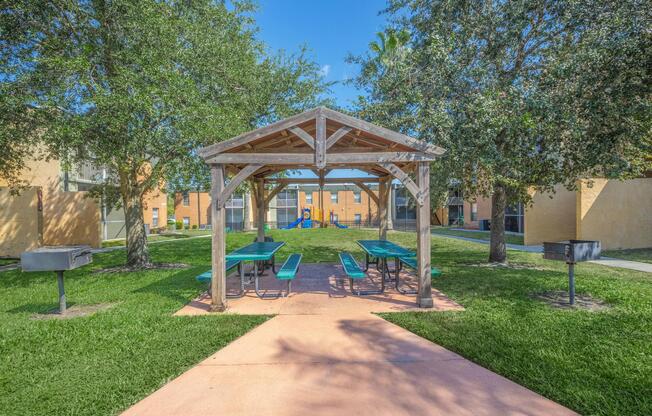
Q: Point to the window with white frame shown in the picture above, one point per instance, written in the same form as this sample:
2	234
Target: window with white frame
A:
308	197
334	197
357	198
154	217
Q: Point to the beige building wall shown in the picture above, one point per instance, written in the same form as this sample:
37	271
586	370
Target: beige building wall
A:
68	218
21	221
551	217
618	213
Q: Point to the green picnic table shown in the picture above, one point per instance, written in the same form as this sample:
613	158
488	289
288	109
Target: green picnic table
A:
255	252
382	250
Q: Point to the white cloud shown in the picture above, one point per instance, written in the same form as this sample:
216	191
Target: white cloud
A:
325	70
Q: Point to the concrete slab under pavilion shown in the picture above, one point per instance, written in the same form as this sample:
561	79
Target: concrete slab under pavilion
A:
320	289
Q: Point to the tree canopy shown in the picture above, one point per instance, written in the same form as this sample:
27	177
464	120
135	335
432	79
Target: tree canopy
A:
138	87
523	94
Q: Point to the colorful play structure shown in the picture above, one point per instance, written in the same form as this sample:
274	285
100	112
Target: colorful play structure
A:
306	219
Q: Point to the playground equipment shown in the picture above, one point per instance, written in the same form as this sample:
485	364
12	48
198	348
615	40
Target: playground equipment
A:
305	220
335	223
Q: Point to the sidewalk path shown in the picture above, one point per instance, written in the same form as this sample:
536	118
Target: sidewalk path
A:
326	354
605	261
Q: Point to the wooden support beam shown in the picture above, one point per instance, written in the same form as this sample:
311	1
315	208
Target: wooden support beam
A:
235	182
217	148
309	159
260	209
382	207
274	192
424	296
369	192
301	133
320	141
316	180
218	248
405	180
341	132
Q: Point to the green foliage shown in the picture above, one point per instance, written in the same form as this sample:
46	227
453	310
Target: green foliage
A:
138	86
194	226
179	225
521	94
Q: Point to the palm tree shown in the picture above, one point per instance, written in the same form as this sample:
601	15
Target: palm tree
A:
388	44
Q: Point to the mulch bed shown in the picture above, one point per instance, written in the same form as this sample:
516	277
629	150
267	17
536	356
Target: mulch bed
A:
152	266
74	311
512	266
559	299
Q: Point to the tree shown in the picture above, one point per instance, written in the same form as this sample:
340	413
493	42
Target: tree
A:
138	87
521	94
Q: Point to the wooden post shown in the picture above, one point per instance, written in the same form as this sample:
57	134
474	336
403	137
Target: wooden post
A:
390	206
424	298
260	206
246	211
218	252
382	207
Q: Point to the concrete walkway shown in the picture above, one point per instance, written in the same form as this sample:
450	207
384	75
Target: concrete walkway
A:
605	261
326	359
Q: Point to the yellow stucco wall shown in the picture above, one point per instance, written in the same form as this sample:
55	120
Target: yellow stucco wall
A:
68	218
21	222
550	219
618	213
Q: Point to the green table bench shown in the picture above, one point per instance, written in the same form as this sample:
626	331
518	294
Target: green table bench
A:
354	272
288	271
206	277
411	262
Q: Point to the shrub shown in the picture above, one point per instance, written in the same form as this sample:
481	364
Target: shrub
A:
179	225
194	226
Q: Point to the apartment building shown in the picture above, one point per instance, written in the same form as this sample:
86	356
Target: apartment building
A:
55	209
617	213
347	203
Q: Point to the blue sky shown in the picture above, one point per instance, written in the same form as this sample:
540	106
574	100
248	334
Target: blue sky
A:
330	28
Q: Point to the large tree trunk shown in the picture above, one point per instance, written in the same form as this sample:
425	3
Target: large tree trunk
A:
137	251
498	251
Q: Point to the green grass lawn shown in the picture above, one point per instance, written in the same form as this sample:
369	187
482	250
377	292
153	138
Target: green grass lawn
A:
173	235
480	235
638	254
593	362
101	364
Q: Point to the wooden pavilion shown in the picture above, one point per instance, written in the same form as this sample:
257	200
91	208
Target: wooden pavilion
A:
320	139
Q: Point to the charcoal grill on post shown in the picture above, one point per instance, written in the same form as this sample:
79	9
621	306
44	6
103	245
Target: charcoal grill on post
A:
572	251
56	259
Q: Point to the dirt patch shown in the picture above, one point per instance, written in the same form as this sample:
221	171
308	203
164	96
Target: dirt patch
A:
559	299
74	311
510	266
153	266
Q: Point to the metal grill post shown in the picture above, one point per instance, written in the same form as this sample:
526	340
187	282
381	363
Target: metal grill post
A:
62	292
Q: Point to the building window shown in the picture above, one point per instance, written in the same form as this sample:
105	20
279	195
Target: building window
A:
154	217
405	205
514	218
186	199
334	197
308	197
286	207
357	197
357	218
235	212
334	217
474	211
186	222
